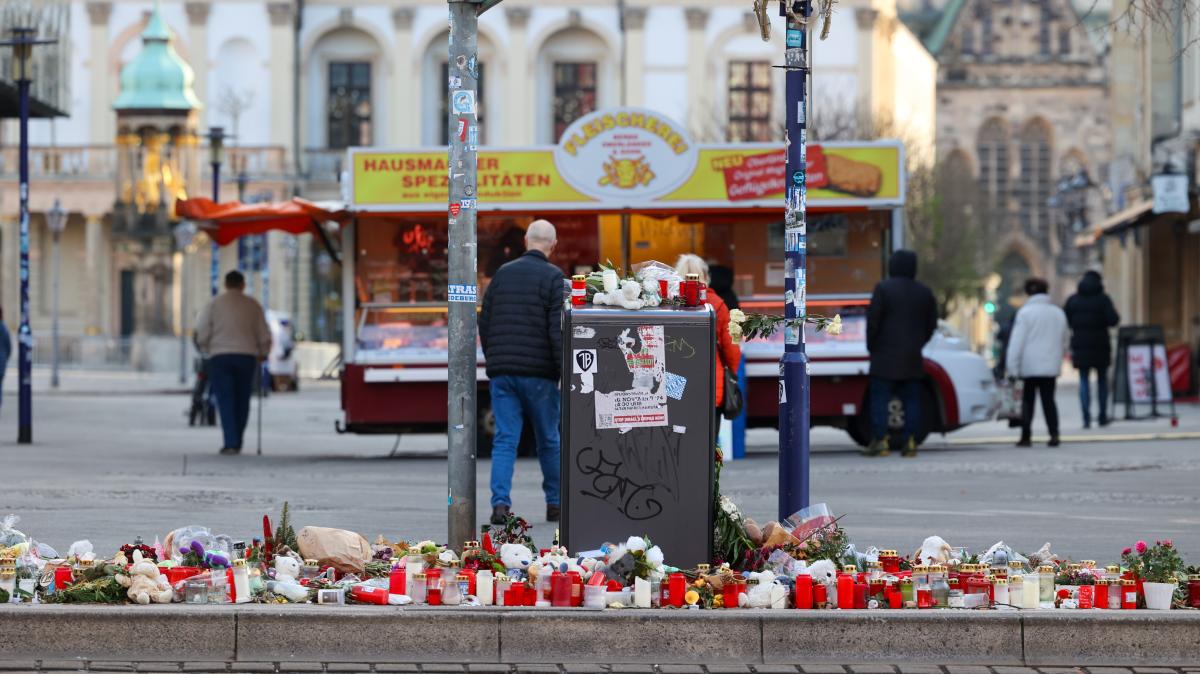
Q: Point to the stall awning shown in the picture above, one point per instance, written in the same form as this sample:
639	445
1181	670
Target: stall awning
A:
229	221
1133	216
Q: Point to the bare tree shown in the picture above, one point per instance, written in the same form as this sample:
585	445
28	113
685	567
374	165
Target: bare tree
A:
233	105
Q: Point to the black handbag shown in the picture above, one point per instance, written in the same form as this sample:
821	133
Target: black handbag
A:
733	403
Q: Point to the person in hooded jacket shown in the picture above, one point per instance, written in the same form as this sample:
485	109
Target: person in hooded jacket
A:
900	321
1090	313
1035	355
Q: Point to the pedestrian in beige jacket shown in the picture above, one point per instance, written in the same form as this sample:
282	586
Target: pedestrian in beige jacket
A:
233	333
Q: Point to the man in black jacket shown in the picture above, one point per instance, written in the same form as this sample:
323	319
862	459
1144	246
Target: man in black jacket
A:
900	321
1090	313
520	329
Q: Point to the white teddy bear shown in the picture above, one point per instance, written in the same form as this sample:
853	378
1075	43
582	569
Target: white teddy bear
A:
287	568
145	583
516	558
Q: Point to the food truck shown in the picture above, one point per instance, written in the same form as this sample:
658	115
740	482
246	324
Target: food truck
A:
626	186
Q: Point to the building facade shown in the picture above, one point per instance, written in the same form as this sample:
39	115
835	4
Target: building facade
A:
294	88
1022	105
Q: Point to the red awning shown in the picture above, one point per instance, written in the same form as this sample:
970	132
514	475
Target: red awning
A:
229	221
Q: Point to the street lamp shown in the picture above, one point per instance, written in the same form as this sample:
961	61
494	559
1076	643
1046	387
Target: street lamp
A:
56	221
216	157
185	233
22	44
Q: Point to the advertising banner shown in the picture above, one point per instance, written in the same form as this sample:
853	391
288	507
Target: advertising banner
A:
629	158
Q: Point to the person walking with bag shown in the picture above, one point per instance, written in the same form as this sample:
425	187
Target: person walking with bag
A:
1035	355
728	354
900	321
1090	313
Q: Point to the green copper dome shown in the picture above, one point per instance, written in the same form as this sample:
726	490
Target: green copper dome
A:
157	78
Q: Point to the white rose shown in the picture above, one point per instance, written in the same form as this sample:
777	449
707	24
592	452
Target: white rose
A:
635	543
735	331
835	326
737	316
655	556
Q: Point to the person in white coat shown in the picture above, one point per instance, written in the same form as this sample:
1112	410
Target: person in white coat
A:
1035	355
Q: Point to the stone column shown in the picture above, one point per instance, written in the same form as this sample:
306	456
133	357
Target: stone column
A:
102	119
698	86
635	56
406	103
868	72
94	267
197	13
520	111
282	118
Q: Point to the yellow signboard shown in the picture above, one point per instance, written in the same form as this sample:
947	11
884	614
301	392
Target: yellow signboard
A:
868	174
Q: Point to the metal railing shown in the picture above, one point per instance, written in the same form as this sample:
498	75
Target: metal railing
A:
85	162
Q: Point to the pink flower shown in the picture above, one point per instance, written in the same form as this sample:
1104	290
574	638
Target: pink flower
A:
1126	551
1168	543
1141	547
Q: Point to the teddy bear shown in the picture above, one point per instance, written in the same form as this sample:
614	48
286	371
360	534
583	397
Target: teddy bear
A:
145	583
516	558
287	568
825	572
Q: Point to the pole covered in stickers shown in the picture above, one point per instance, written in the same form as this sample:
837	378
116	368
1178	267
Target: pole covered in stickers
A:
793	368
462	280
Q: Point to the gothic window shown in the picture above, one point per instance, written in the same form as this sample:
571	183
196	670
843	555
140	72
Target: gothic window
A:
988	36
444	109
1035	184
574	93
749	101
349	104
992	149
1044	31
1064	41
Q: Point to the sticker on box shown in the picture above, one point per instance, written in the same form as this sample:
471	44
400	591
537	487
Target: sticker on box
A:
675	385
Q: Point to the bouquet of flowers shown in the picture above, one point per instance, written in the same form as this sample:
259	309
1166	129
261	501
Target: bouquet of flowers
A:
1158	563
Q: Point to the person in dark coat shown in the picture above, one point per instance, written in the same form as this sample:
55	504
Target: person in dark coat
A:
521	333
900	321
722	284
1090	313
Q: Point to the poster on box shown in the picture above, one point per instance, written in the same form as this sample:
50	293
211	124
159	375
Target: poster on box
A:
644	402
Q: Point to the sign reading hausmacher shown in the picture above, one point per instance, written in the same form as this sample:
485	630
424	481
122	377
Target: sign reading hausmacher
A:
630	158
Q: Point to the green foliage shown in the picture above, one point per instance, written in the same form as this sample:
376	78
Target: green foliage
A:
97	585
765	325
1158	563
730	542
284	533
945	219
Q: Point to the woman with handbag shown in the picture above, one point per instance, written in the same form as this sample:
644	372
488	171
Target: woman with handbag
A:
728	401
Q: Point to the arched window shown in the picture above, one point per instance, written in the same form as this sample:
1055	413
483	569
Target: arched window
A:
1035	183
347	99
435	73
991	147
238	103
573	71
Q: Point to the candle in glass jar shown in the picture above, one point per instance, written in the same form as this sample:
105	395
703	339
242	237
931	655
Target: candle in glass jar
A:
414	563
561	590
502	586
656	592
1016	591
703	294
924	596
419	585
578	290
860	595
397	582
678	587
1086	594
890	561
663	289
820	595
1114	594
906	590
1000	590
433	587
1101	598
691	290
1046	584
641	593
845	592
484	590
1194	590
1128	594
452	591
1112	572
1030	590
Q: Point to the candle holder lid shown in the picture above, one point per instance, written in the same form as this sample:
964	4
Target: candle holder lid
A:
888	553
1194	577
1045	568
1128	582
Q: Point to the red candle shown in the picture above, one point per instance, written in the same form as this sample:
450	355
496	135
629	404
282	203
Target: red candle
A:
369	595
1086	593
691	290
890	561
678	583
860	595
925	597
845	592
576	588
1129	594
663	288
560	589
578	291
877	588
703	292
515	596
433	591
1194	591
396	581
804	592
471	587
1101	599
820	595
895	599
62	577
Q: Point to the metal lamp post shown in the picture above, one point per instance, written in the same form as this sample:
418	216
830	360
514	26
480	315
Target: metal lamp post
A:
185	233
56	221
216	157
22	44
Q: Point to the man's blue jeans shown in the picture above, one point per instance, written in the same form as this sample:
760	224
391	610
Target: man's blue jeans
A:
881	393
232	377
513	400
1085	392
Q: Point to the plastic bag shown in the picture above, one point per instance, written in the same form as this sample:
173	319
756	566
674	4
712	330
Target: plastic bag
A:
9	536
803	522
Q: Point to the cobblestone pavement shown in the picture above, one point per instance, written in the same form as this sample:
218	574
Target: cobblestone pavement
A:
348	668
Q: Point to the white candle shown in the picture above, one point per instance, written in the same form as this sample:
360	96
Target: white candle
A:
1031	590
483	588
641	593
415	564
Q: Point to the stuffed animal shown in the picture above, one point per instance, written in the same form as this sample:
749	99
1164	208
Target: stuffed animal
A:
145	583
824	572
515	558
935	550
287	568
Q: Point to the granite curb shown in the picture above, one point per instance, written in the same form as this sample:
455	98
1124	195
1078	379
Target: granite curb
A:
299	634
